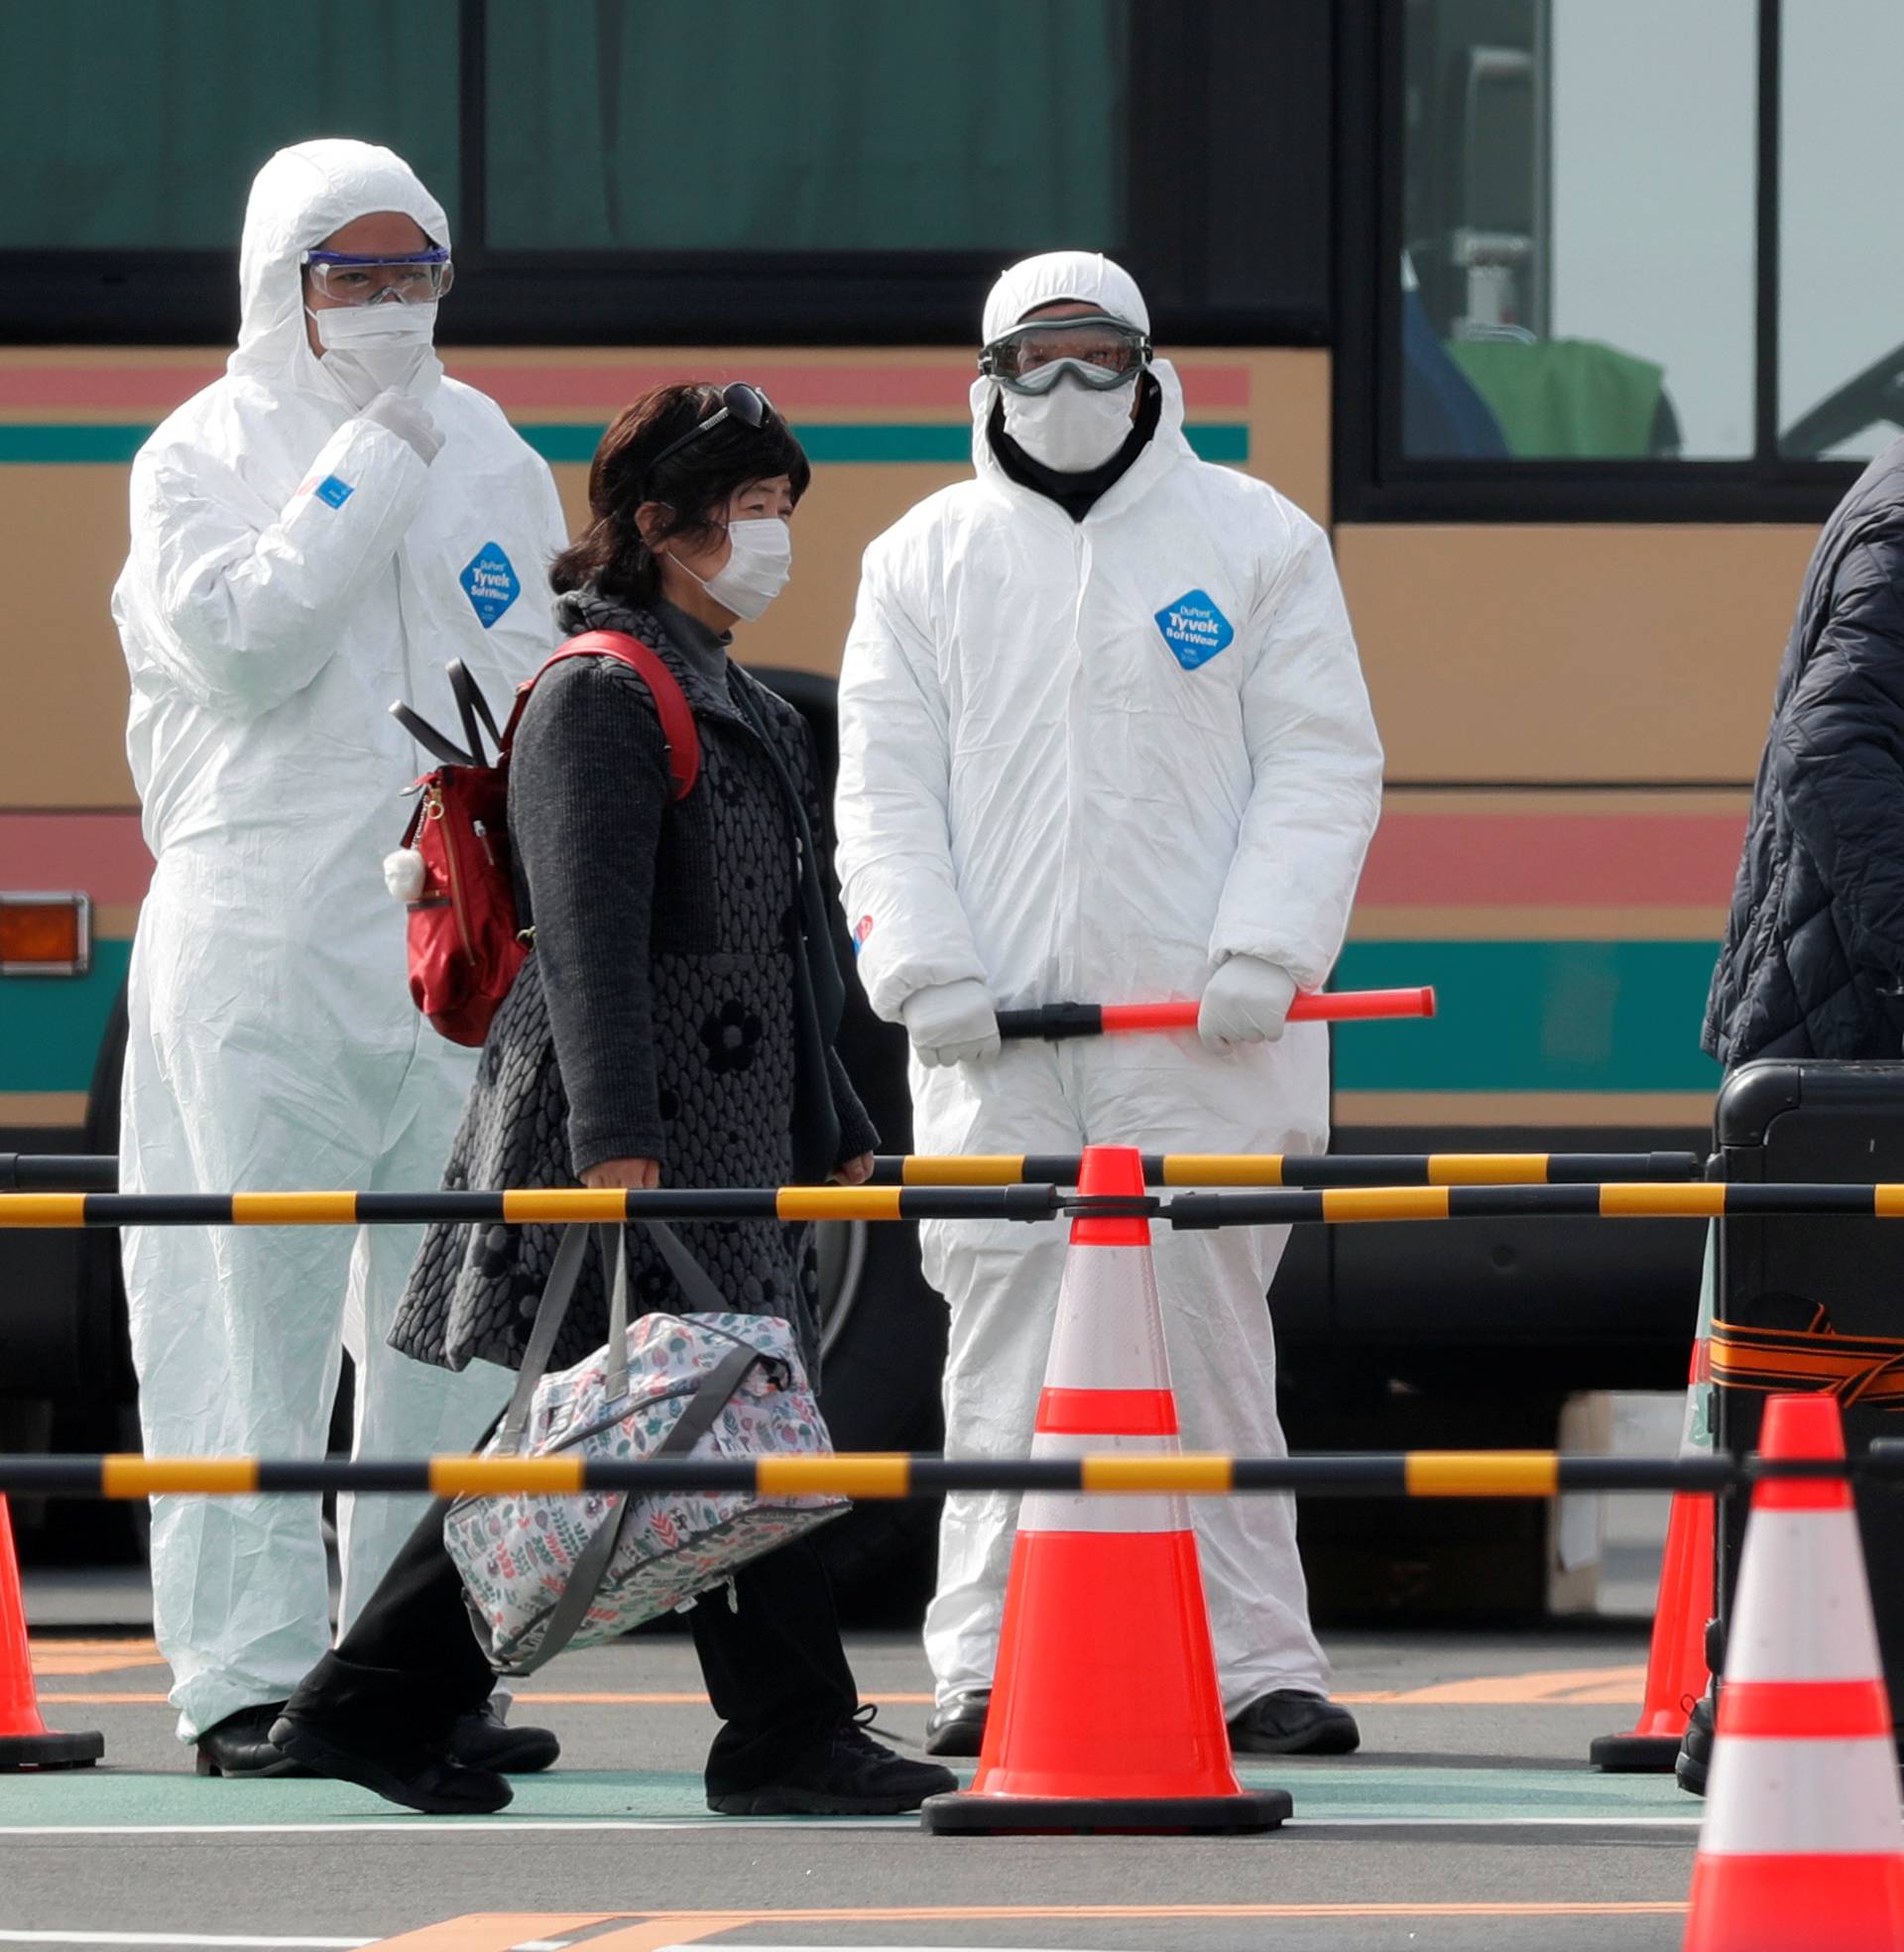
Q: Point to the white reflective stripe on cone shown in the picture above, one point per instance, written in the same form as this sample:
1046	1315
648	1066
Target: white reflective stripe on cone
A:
1780	1631
1696	1431
1080	1510
1108	1333
1775	1797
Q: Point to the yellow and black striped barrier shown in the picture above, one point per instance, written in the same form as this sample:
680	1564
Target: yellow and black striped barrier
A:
1270	1207
1294	1168
1627	1200
554	1205
98	1173
880	1475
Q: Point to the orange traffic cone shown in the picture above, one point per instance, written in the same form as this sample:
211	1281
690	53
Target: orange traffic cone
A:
1105	1712
26	1742
1803	1840
1676	1670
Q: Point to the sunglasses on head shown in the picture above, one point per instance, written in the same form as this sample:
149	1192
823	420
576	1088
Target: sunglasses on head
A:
738	401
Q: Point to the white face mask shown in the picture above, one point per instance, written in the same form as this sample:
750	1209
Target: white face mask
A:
369	348
1073	427
759	563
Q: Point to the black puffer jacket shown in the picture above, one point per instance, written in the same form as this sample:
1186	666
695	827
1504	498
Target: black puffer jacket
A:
1814	959
656	1017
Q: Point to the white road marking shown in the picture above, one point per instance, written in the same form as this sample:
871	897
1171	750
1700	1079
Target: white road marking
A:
177	1938
448	1826
464	1826
220	1939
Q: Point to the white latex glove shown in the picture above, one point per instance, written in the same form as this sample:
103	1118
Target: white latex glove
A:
406	418
1246	1002
951	1023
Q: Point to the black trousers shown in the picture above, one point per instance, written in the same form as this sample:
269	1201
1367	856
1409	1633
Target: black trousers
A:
410	1665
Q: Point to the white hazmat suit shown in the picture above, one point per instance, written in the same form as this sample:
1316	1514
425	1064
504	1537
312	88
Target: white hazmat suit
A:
294	567
1088	762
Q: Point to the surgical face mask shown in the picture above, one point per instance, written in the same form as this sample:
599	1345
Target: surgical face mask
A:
1072	429
759	563
372	347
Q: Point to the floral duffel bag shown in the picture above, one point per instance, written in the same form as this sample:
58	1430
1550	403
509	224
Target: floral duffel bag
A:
545	1573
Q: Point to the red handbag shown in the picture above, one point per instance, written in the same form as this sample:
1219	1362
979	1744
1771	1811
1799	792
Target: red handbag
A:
465	945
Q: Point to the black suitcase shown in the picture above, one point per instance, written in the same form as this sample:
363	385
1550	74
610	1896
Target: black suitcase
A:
1809	1119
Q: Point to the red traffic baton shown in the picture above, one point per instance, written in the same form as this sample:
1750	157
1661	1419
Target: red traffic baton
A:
1073	1020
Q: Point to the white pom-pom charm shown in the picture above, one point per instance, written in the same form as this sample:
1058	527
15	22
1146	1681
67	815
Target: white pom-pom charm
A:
406	874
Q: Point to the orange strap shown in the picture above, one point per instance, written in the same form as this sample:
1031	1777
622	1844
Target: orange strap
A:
1855	1369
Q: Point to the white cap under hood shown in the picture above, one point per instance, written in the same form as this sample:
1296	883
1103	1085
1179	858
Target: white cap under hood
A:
303	196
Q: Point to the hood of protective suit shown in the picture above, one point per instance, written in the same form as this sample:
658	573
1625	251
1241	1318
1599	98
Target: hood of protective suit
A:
299	199
1087	277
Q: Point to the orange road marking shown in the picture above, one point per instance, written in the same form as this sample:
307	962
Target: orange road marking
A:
657	1934
495	1931
1101	1914
1599	1686
104	1700
92	1657
492	1931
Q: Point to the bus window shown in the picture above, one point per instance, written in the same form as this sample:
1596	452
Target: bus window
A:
1841	277
1579	229
189	97
837	125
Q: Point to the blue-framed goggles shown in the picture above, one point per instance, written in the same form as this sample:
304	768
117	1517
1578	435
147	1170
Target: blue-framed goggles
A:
344	278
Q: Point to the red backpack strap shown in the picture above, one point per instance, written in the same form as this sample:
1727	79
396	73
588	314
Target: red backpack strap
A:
679	729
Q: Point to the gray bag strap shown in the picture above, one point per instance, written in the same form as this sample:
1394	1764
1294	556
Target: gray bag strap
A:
711	1396
693	1279
614	1265
557	1293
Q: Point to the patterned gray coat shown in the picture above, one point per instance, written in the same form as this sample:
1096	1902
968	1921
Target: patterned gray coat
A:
657	1014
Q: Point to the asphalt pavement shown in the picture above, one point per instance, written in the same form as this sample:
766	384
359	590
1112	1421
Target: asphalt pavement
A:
1468	1819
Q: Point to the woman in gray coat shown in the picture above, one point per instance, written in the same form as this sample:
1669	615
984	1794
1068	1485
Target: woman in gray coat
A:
674	1020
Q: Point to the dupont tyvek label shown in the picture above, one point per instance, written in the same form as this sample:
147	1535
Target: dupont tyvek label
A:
1193	628
488	581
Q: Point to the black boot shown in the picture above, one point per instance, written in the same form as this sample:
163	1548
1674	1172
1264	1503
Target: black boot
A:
1290	1722
418	1776
241	1746
1694	1757
958	1729
844	1774
484	1741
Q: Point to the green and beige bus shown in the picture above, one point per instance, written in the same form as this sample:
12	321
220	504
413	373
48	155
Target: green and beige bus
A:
1569	318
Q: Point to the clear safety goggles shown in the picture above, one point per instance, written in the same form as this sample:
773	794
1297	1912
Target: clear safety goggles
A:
345	279
1095	349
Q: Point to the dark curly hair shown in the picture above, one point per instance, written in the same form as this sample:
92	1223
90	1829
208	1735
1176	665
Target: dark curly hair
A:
696	482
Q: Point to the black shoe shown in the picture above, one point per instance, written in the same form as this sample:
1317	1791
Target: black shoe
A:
1695	1757
241	1746
419	1778
484	1741
845	1774
1288	1722
958	1729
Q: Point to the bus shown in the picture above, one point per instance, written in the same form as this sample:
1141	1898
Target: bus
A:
1565	318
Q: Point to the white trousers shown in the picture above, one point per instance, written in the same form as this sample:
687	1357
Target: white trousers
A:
1001	1282
237	1333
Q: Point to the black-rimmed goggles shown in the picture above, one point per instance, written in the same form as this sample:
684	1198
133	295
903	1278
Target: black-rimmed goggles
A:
1095	349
